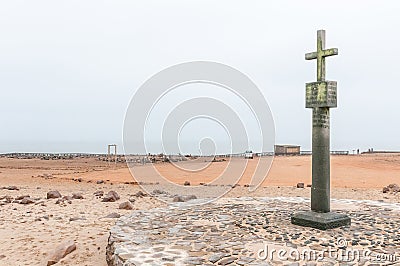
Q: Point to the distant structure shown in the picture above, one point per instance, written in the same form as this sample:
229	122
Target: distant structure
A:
287	150
112	156
248	155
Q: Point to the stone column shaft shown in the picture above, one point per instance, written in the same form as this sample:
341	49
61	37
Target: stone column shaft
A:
320	190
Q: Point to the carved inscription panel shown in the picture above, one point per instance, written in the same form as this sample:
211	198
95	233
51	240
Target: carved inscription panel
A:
321	94
321	117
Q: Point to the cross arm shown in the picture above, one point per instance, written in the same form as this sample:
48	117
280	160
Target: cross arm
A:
311	56
330	52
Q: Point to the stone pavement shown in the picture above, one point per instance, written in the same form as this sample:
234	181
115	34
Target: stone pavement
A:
244	231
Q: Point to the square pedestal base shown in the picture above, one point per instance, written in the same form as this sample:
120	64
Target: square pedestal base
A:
319	220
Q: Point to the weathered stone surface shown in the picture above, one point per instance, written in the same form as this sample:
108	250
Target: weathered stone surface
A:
54	194
320	55
228	230
227	261
321	94
61	251
216	257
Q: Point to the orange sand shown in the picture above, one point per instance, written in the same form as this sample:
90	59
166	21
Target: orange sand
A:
360	171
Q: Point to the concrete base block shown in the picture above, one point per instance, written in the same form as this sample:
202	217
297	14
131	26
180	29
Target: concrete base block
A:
321	221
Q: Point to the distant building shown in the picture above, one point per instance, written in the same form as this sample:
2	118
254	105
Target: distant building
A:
287	150
248	155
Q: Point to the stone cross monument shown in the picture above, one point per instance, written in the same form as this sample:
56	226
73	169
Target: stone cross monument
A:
320	96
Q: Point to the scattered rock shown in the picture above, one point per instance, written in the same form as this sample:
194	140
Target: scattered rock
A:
227	261
189	197
53	194
41	203
7	199
47	176
132	200
61	251
126	206
100	182
27	200
99	193
113	215
300	185
21	197
159	192
111	196
392	188
178	199
77	219
183	198
11	188
77	196
216	257
187	183
140	194
59	201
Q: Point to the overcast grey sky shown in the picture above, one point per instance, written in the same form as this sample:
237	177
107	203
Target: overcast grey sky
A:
68	69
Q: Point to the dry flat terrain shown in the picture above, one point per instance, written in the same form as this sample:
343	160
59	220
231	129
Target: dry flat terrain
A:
362	171
30	232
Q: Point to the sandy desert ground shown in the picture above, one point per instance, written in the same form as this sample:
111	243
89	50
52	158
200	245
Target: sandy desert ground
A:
30	232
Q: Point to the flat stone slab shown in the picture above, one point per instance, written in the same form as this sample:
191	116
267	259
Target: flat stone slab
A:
243	231
321	221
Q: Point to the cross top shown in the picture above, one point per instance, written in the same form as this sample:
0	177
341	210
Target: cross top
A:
320	55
